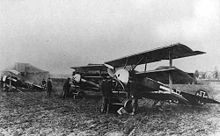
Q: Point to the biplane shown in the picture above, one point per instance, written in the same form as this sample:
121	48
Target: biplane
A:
89	77
152	84
12	81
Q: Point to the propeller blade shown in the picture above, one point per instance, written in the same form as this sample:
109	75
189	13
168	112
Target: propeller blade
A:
109	66
111	72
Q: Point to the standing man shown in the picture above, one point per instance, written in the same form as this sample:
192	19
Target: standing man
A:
66	88
106	88
43	84
49	87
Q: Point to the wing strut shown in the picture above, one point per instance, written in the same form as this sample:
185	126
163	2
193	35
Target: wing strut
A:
138	63
126	62
145	66
170	65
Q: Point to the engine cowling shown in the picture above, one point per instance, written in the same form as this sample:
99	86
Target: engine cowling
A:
122	75
77	78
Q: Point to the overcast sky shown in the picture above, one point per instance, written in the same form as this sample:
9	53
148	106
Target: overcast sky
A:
57	34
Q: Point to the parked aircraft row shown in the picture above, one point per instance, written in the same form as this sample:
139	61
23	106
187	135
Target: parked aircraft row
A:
10	82
152	84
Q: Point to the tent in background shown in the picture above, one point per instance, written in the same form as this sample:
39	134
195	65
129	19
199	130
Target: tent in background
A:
31	73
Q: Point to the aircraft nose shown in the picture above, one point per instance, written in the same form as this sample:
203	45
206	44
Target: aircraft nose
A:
77	78
122	75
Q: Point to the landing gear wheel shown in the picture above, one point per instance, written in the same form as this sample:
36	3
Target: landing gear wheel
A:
128	105
201	94
81	95
131	105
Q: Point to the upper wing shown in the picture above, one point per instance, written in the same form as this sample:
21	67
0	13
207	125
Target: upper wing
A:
162	75
92	71
90	67
174	51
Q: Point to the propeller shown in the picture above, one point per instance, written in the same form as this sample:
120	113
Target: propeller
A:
77	78
111	72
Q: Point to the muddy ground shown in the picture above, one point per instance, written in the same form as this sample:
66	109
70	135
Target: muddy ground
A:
32	113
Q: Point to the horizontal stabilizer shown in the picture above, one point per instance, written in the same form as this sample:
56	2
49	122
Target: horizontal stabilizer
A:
193	99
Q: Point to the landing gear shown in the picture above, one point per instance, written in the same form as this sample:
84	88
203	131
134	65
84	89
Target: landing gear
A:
104	106
78	94
116	99
131	106
110	105
201	94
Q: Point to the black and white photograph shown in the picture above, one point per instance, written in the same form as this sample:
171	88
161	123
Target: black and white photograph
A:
109	67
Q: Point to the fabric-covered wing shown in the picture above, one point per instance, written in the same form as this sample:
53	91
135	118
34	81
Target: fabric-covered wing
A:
90	67
92	72
162	75
174	51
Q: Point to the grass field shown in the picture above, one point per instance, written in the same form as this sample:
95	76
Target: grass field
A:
32	113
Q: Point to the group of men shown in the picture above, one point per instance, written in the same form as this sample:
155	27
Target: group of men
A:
67	85
47	85
105	87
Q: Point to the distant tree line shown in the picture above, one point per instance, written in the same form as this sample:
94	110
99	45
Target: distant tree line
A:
208	74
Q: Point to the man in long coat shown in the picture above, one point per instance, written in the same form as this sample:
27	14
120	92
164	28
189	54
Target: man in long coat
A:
66	88
49	87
